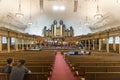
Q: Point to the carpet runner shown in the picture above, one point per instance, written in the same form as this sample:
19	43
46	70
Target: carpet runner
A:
61	70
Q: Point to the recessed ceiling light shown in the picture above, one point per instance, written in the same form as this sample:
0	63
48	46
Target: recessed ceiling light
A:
55	7
62	8
58	7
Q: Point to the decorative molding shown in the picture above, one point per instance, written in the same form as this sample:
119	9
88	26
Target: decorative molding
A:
10	21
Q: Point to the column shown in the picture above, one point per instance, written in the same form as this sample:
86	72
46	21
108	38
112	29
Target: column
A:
119	44
22	44
27	44
107	45
89	44
8	44
93	44
0	43
55	27
85	44
16	44
30	43
114	45
96	44
100	44
79	42
61	30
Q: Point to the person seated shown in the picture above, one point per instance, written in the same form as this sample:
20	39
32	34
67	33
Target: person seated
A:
19	71
9	65
82	52
88	53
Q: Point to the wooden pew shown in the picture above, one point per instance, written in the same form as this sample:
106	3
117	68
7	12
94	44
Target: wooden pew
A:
96	64
81	70
102	76
37	76
38	62
32	76
3	76
40	68
31	63
47	69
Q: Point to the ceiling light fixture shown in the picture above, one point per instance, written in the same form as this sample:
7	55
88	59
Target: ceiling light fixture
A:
55	7
30	20
98	15
75	5
19	14
62	8
86	21
41	6
58	8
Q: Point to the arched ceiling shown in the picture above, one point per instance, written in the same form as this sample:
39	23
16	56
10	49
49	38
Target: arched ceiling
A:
108	8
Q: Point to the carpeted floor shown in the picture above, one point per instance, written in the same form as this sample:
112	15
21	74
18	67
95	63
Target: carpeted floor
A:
61	70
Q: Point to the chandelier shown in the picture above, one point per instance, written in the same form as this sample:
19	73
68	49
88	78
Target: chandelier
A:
75	5
41	5
58	6
30	22
98	15
19	14
86	21
30	19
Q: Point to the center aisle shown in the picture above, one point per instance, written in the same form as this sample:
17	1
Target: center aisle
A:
61	70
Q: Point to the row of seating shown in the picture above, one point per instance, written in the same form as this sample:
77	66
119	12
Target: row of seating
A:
32	76
102	76
39	62
81	70
35	68
95	67
97	63
32	63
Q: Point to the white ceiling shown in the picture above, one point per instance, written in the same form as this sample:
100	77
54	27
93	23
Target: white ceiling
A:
109	8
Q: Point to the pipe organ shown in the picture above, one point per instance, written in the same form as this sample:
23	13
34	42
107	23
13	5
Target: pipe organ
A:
58	31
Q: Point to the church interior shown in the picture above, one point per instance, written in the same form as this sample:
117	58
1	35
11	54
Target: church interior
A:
61	39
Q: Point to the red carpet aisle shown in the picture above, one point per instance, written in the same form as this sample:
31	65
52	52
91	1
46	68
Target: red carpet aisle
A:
61	70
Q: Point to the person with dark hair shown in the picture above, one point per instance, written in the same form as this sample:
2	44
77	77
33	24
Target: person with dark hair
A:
9	65
19	71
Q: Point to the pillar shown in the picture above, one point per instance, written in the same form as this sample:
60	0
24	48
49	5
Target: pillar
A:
79	42
0	43
85	44
93	44
27	44
100	44
30	43
61	30
22	44
16	44
89	44
114	44
8	44
107	45
119	45
55	27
